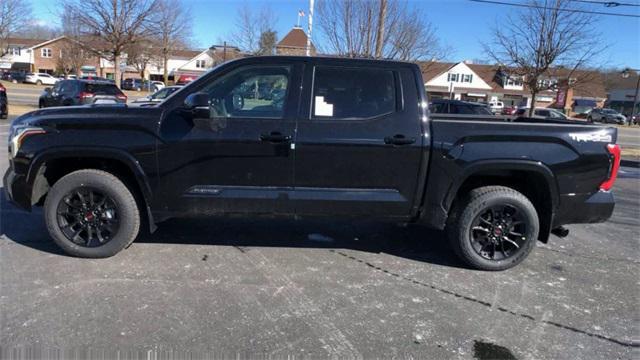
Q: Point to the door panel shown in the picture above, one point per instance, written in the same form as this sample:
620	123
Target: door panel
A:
235	156
365	158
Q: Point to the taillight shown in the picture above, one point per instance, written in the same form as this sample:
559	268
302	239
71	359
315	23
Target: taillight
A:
614	150
85	95
122	97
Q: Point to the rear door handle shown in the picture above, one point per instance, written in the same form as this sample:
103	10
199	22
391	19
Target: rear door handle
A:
399	140
275	137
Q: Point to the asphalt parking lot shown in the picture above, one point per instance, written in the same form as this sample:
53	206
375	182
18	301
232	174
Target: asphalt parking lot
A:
274	288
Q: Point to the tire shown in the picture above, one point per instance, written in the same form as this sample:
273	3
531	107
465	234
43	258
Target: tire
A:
39	82
464	219
125	210
40	104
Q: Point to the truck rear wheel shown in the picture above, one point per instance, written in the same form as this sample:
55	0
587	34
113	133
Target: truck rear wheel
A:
493	228
91	213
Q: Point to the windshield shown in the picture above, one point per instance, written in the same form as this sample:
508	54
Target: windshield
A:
609	111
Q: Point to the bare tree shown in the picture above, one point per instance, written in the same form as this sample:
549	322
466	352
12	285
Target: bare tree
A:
545	35
386	28
250	25
74	51
267	43
112	25
173	30
141	54
13	15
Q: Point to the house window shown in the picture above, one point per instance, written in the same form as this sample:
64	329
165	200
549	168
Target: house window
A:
200	64
468	78
514	81
45	52
452	77
14	51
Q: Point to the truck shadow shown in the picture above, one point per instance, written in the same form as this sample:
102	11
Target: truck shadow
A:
412	242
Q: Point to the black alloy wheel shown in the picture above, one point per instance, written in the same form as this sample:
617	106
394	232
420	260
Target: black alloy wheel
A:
88	217
498	232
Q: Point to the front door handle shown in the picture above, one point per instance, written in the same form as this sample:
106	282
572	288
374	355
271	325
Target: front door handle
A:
275	137
399	140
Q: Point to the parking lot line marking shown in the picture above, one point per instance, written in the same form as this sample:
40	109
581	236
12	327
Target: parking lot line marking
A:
543	320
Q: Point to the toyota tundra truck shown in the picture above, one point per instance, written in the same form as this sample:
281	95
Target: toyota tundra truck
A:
309	136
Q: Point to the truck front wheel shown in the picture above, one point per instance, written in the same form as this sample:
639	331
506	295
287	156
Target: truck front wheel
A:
493	228
91	213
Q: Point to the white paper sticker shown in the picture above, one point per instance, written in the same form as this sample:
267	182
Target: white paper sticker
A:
323	108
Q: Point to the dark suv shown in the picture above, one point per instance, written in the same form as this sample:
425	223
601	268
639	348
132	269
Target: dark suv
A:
14	76
81	92
446	106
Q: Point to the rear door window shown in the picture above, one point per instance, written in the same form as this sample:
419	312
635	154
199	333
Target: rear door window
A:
103	89
352	93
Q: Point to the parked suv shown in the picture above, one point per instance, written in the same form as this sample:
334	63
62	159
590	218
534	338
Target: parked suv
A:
80	92
139	84
40	79
606	116
496	106
446	106
14	76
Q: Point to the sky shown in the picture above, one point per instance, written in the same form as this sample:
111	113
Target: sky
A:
461	24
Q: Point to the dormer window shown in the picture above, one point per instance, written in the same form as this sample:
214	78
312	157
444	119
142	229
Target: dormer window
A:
200	64
464	78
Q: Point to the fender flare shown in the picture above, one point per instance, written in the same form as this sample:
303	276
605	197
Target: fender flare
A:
119	155
507	164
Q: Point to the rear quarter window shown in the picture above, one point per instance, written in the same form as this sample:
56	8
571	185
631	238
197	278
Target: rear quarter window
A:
352	93
103	89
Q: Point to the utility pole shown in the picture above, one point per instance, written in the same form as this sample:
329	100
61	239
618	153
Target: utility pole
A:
380	36
310	27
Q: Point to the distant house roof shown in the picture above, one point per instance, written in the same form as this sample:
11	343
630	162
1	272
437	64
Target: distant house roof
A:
188	54
24	42
296	38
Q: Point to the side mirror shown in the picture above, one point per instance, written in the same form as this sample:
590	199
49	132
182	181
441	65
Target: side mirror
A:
197	100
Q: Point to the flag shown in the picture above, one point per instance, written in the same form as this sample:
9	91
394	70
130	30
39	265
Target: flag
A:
301	13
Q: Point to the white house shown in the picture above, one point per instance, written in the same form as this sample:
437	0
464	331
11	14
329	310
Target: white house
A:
460	81
18	54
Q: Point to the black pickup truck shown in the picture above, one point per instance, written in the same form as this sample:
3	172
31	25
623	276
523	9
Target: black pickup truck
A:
307	136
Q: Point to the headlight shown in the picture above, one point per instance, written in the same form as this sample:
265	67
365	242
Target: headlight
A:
18	134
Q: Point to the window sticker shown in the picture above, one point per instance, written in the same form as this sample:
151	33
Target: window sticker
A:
323	108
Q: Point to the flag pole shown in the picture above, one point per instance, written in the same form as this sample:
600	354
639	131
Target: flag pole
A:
310	27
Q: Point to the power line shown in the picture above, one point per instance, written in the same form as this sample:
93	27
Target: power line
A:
606	3
567	10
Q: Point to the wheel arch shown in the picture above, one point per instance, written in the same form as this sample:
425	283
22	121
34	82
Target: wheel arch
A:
533	179
51	165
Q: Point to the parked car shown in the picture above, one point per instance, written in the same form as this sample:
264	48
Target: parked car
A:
496	107
139	85
4	102
509	110
159	95
361	146
40	79
185	79
80	92
608	116
446	106
14	76
541	113
158	85
97	78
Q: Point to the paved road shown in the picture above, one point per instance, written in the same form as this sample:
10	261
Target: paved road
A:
629	136
318	288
